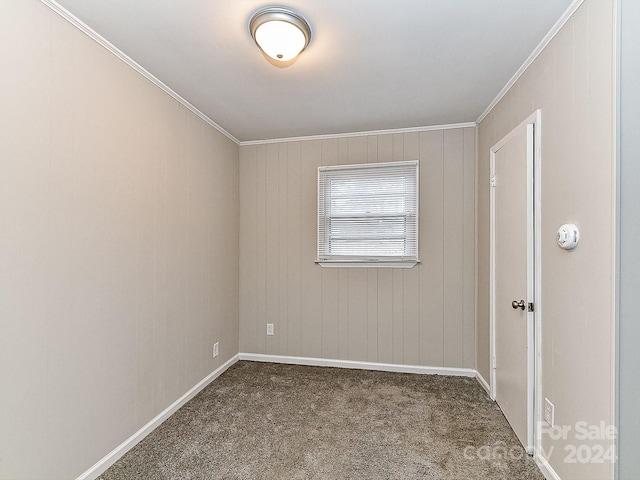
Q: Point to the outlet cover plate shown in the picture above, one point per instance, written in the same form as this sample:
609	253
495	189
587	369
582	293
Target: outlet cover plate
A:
269	328
215	349
548	412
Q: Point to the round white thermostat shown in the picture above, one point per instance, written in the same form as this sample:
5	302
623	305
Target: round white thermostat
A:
568	236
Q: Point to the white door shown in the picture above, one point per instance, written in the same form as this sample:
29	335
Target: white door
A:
512	279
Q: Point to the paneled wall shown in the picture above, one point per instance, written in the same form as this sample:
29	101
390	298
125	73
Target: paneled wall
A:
118	248
572	82
420	316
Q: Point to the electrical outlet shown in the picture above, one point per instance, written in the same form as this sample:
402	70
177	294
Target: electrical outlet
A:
548	412
269	328
215	349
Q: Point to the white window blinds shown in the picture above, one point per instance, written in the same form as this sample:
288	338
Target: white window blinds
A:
368	214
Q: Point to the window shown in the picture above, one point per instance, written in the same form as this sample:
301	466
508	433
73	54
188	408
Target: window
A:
368	215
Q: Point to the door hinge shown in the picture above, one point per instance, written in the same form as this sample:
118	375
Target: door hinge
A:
493	180
531	306
494	362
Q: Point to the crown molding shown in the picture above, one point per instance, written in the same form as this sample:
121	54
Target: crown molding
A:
360	134
95	36
568	13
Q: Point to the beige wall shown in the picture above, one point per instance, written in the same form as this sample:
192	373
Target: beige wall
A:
628	255
420	316
572	83
118	247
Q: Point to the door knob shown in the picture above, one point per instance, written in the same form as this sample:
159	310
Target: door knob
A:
516	305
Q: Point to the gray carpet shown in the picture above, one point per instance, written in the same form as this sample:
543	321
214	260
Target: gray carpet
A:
268	421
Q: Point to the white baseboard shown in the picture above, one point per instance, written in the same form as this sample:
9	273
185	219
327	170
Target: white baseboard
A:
546	469
383	367
483	382
109	459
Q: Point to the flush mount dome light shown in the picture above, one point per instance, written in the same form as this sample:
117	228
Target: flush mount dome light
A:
279	32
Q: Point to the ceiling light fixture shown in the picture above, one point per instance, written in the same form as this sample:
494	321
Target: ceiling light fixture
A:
280	32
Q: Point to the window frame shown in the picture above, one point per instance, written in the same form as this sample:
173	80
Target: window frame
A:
326	259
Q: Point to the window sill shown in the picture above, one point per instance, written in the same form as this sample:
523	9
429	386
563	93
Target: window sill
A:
368	263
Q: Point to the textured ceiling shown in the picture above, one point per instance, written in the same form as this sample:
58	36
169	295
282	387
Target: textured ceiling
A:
371	64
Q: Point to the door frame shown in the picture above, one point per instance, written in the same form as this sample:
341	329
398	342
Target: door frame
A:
534	338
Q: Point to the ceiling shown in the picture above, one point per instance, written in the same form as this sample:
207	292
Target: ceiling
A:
371	64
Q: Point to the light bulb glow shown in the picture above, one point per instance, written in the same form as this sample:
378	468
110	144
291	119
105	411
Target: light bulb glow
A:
280	32
280	40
